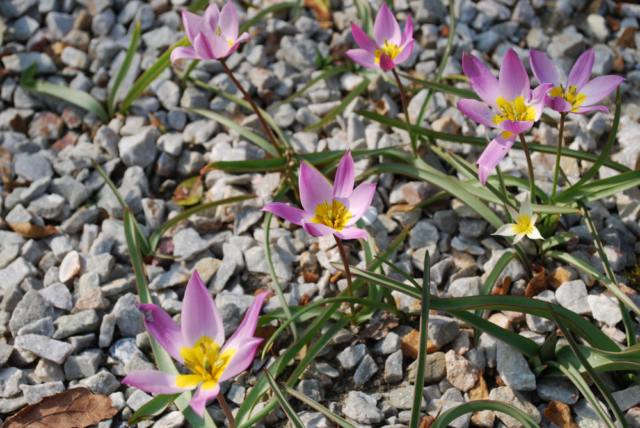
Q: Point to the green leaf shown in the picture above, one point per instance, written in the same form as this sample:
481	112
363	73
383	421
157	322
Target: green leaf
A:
364	12
323	76
320	408
193	188
418	394
555	240
464	93
245	132
548	348
450	415
185	77
347	100
503	262
133	46
153	408
601	361
155	237
264	12
74	96
288	410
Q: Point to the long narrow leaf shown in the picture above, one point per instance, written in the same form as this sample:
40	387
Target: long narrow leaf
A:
133	46
450	415
153	408
316	406
418	393
288	410
504	260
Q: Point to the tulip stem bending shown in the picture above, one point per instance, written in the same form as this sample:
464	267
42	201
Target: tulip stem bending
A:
253	106
347	272
227	411
532	183
558	154
405	108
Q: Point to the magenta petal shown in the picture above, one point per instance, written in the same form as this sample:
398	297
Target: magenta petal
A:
481	80
599	88
581	71
362	39
201	47
386	63
193	25
582	110
496	150
212	17
514	126
163	328
407	33
478	112
543	68
247	328
314	189
559	104
538	97
407	50
363	58
514	80
219	46
352	232
317	229
386	27
229	22
181	52
199	400
200	316
154	382
345	177
360	200
244	37
242	359
284	211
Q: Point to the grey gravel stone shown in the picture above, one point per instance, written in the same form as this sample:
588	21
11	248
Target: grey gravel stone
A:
31	308
514	368
573	296
103	383
35	393
557	389
352	355
362	408
393	367
45	347
71	325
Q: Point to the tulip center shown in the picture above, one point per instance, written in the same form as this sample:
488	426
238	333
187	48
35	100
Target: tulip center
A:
206	362
571	95
334	215
523	224
517	110
390	49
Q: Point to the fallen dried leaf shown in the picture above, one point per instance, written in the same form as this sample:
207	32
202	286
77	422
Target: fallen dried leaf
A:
480	391
156	122
626	39
427	421
189	192
304	300
499	381
33	231
503	289
537	284
613	23
379	326
560	414
380	107
618	64
75	408
265	333
18	124
309	278
335	277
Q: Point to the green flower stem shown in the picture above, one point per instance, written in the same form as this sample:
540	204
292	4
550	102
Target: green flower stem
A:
347	272
405	108
532	183
253	106
558	155
226	410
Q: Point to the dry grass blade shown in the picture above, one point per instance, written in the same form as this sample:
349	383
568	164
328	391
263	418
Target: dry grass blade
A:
560	414
76	408
33	231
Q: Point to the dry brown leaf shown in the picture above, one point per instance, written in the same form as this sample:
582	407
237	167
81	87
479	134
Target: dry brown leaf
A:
75	408
560	414
480	391
265	332
499	381
427	421
380	107
304	300
379	326
626	39
537	284
335	277
33	231
309	277
503	289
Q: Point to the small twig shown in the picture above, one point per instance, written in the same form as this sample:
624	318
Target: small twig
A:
345	261
532	183
226	410
558	154
253	106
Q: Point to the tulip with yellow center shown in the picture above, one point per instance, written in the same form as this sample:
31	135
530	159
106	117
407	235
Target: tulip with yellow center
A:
525	223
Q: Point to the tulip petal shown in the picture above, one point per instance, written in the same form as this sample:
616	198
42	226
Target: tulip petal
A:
514	81
352	232
582	110
514	126
406	52
581	71
212	17
481	80
154	382
359	201
478	112
163	328
201	47
247	328
407	33
386	27
386	63
345	177
314	189
517	239
181	52
200	316
242	359
505	230
363	58
525	208
535	234
199	400
229	22
219	46
492	155
543	68
193	25
284	211
243	37
559	104
514	213
599	88
317	229
362	39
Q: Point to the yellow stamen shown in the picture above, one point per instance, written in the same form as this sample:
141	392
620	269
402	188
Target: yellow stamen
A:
516	110
334	215
391	50
571	95
230	42
523	224
206	362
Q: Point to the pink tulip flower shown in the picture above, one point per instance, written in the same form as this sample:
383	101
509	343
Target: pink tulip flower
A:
512	106
328	210
391	46
213	36
199	345
579	95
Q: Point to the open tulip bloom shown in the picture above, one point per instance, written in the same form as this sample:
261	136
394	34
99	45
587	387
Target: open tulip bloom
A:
512	106
328	210
199	345
391	46
213	36
525	224
579	95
